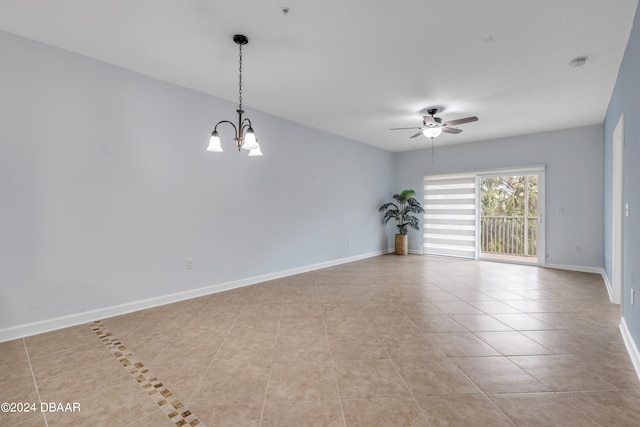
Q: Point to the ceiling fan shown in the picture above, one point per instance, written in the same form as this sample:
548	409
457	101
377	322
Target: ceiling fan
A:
433	126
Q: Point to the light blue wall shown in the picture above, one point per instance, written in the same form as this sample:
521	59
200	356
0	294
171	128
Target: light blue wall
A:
573	160
626	99
107	189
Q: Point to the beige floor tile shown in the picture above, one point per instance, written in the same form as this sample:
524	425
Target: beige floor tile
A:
213	414
15	376
301	381
438	295
254	327
321	413
369	378
68	360
494	307
408	343
301	326
119	405
462	411
616	367
522	322
354	347
608	408
532	307
460	344
634	392
349	325
62	339
456	307
540	409
37	421
341	309
607	338
251	350
12	351
83	382
434	376
480	322
565	372
302	309
156	418
230	384
23	394
563	341
419	308
498	375
437	323
392	411
512	343
296	348
503	295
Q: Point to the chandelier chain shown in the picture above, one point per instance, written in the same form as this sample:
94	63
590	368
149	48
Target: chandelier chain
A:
240	80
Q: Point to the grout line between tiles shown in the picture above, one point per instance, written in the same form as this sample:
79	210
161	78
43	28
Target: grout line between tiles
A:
266	389
395	366
33	375
333	365
155	389
208	367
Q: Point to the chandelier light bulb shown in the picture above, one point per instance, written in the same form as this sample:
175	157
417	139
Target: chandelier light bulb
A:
214	143
255	151
250	142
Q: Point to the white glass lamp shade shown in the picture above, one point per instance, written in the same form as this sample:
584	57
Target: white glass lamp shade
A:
214	143
250	141
432	132
255	151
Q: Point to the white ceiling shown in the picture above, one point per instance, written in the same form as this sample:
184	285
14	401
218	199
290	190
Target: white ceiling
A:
359	67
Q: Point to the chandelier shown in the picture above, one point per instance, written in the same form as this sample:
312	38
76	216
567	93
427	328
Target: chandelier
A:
244	136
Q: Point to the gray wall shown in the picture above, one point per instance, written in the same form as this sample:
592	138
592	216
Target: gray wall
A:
626	99
573	160
107	188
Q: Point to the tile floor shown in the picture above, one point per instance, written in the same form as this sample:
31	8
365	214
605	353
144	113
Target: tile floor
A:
387	341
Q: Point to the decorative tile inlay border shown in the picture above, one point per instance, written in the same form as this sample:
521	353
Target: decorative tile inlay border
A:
170	405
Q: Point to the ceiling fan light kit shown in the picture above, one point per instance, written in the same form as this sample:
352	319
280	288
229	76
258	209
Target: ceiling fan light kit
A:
432	126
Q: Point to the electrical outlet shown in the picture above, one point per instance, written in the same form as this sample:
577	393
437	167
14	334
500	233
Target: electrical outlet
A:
577	248
188	264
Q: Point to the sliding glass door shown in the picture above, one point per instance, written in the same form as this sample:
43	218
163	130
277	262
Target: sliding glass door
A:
495	215
508	225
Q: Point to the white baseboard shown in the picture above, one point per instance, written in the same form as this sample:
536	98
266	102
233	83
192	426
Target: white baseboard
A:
632	348
608	285
25	330
580	268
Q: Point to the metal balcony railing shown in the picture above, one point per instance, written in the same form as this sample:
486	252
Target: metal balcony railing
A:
509	235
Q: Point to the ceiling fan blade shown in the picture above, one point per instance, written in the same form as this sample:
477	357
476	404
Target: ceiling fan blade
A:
450	130
417	134
404	128
429	120
460	121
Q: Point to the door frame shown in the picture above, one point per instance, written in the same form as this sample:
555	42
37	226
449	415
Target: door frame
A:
617	235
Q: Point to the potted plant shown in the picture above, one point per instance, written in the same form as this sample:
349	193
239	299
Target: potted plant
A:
401	212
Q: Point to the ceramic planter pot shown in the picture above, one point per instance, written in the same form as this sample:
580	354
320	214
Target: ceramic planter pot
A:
402	244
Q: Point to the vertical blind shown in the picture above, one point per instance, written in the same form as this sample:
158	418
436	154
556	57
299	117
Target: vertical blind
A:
449	224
